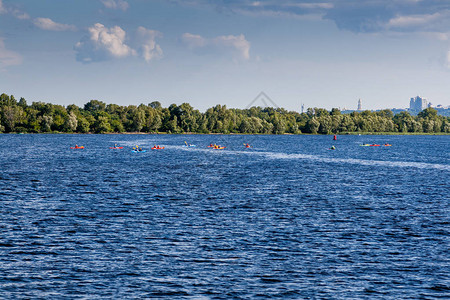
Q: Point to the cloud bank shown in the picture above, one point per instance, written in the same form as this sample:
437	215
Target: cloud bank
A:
115	4
353	15
104	43
13	11
238	46
48	24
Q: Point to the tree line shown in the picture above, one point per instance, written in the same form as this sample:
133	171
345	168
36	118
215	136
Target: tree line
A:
99	117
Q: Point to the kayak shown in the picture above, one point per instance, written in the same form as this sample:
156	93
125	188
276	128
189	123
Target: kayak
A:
374	145
387	145
115	147
80	147
157	148
218	148
365	145
142	151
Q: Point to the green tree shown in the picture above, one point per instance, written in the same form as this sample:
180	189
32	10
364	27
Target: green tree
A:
83	125
71	122
46	123
102	125
312	126
12	115
429	113
94	106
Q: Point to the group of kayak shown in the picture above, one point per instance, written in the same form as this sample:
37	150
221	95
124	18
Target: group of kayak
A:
158	147
135	149
139	149
214	146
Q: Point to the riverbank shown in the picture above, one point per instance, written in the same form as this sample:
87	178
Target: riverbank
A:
199	133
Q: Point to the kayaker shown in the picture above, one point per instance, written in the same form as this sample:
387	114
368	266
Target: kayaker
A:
333	148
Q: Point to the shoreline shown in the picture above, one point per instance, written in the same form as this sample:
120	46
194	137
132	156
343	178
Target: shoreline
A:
199	133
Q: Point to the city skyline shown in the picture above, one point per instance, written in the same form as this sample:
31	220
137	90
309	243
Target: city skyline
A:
327	54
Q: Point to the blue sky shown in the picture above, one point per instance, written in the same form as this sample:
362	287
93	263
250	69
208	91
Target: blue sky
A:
324	53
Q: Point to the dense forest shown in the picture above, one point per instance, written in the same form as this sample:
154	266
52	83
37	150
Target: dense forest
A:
99	117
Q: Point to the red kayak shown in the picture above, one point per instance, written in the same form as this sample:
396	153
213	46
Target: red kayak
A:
77	147
115	147
157	148
374	145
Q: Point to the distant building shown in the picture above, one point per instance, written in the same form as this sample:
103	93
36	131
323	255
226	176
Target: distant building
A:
417	104
303	107
359	105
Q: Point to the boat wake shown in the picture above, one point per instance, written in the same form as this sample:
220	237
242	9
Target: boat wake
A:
319	158
365	162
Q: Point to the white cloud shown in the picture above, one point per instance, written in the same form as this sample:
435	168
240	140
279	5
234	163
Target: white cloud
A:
8	57
146	40
102	44
193	40
116	4
48	24
237	45
413	20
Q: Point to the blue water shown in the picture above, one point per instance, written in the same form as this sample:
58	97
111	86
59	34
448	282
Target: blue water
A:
287	218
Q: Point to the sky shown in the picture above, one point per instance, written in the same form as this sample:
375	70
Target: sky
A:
325	53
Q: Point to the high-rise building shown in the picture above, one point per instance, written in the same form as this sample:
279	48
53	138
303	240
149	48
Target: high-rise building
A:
417	103
359	105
